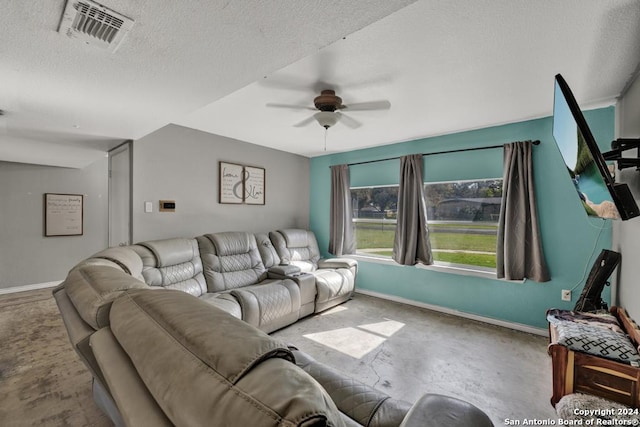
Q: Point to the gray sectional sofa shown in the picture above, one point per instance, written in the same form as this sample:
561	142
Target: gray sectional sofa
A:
174	332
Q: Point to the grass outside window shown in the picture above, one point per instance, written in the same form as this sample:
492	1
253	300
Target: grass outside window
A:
376	239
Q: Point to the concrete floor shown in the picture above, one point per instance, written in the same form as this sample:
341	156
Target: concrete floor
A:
401	350
408	351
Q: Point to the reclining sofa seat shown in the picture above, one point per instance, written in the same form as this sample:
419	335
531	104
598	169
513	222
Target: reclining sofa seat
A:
335	277
233	265
176	264
230	375
87	293
84	299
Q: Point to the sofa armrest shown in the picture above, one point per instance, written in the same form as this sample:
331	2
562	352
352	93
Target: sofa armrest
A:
337	263
92	290
306	283
435	410
283	271
135	403
78	330
358	401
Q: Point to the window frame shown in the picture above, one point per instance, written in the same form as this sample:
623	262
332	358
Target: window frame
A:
464	269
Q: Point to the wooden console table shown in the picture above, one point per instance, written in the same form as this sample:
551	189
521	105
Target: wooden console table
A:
576	372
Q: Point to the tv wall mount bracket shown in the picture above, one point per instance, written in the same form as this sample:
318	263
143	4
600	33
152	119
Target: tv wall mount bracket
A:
618	147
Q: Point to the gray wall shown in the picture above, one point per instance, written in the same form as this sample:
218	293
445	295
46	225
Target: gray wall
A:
627	233
181	164
26	256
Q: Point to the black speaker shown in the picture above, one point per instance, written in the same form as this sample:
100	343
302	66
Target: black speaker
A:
591	297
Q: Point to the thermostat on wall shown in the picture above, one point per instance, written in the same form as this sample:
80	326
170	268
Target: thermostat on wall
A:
167	205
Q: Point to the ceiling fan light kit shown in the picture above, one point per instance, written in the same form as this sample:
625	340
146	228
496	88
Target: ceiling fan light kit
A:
326	119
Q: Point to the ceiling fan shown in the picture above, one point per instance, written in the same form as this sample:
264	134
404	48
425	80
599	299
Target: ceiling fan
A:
329	106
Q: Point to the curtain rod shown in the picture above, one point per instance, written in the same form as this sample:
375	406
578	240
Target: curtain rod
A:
536	142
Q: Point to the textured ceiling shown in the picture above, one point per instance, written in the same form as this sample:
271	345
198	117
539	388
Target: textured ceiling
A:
445	66
179	56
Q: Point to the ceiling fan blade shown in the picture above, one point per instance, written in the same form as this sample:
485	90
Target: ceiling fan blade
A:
368	106
304	122
349	121
290	106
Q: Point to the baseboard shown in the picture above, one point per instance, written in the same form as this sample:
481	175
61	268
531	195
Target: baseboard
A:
512	325
32	287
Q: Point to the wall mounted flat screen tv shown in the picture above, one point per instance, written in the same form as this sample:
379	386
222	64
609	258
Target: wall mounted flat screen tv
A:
592	177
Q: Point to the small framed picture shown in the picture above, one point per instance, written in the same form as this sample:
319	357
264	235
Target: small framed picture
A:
63	214
231	188
254	186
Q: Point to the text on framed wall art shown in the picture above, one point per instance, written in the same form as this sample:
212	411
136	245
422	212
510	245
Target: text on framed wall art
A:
241	184
63	214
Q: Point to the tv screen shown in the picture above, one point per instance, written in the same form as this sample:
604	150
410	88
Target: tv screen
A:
592	177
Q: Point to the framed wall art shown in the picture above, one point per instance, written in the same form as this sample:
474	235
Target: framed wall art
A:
231	188
63	214
254	186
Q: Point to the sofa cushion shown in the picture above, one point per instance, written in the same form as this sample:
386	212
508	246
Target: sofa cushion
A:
93	288
121	258
104	263
268	253
124	257
224	301
170	252
296	238
231	260
173	264
233	243
202	364
298	247
602	342
270	305
332	284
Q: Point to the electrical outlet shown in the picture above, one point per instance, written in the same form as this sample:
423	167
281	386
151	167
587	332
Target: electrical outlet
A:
566	295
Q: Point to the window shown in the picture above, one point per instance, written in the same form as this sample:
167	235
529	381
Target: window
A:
462	218
463	221
374	215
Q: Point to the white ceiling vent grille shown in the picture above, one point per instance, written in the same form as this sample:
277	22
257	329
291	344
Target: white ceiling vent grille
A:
94	24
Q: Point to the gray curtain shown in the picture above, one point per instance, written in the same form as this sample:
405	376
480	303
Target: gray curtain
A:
411	243
519	249
341	236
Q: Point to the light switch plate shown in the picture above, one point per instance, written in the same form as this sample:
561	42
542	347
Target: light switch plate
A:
148	207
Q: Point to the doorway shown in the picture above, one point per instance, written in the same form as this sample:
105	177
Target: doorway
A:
120	194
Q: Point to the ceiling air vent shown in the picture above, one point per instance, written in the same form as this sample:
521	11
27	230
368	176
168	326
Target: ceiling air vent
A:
94	24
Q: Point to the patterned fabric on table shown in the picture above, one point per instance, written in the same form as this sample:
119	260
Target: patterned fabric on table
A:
598	341
600	318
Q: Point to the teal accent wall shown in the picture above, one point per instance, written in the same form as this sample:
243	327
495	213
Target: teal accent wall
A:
571	240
